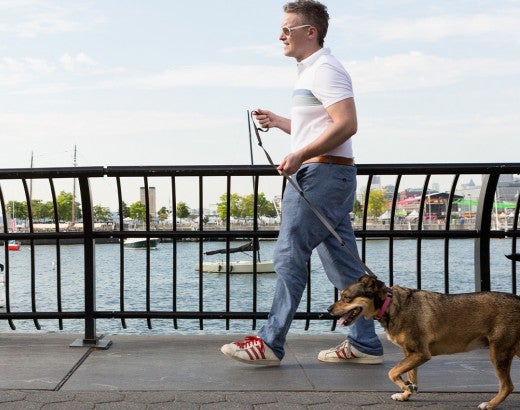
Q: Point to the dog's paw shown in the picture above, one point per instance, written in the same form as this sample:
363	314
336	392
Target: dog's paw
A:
412	388
483	405
400	396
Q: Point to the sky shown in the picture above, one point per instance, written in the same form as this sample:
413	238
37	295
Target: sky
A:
165	82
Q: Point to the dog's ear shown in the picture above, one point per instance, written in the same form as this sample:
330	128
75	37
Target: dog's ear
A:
371	283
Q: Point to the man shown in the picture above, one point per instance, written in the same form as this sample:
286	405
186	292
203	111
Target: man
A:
323	120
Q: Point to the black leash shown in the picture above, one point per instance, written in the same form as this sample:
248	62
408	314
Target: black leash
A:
316	212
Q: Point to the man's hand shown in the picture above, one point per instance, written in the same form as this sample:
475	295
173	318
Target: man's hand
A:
290	164
268	119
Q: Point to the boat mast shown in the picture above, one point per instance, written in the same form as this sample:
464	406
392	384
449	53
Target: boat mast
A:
13	218
31	181
73	215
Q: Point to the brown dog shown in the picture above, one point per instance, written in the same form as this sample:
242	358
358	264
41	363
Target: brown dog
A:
426	324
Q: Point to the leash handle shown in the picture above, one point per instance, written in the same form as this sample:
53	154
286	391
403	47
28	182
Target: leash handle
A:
316	212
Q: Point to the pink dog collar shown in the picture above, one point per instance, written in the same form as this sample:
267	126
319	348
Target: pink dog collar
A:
386	303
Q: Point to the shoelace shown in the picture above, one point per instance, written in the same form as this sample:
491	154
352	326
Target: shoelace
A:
251	341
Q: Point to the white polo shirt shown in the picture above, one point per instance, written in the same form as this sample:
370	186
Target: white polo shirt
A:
322	81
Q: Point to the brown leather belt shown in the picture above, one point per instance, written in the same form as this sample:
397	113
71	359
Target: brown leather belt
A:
330	159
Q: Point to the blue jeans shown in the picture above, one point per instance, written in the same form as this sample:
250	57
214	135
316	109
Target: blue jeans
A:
331	189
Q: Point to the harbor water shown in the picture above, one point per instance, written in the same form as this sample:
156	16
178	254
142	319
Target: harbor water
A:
213	285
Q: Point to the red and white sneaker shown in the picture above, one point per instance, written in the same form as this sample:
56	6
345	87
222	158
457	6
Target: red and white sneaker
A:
252	350
346	353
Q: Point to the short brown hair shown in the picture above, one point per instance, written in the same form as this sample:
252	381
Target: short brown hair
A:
311	12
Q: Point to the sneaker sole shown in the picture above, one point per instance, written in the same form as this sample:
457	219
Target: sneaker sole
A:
360	360
258	362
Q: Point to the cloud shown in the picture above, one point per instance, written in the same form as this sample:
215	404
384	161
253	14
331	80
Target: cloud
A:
218	75
34	18
406	71
267	50
71	71
464	138
504	23
17	71
415	70
56	126
499	23
80	60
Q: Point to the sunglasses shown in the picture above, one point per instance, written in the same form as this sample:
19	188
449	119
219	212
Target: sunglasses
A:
287	31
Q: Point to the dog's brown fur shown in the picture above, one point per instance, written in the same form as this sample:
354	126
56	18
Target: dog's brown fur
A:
426	324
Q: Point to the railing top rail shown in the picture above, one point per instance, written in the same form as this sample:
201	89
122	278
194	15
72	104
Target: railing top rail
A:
440	168
245	170
55	172
189	170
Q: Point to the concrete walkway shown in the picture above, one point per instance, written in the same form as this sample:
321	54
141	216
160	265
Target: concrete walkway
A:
189	372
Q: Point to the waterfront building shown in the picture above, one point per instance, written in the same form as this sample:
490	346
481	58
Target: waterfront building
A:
151	199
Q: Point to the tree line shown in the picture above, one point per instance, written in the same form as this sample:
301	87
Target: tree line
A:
240	207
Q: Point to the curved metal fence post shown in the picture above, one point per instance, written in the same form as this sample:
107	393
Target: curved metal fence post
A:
90	339
483	227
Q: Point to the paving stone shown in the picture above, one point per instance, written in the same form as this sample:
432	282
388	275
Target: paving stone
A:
21	405
151	397
253	398
11	396
49	396
200	397
68	405
99	397
121	405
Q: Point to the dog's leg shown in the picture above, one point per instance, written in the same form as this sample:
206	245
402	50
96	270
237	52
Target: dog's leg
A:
502	362
410	386
411	375
408	365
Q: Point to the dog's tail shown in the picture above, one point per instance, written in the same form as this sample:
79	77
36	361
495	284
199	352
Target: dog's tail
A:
514	256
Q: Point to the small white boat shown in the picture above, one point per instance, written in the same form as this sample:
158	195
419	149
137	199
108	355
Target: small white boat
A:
240	266
236	267
140	243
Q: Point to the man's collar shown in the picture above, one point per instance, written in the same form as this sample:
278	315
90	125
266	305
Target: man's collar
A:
312	58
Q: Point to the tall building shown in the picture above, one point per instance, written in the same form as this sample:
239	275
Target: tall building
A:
508	188
151	199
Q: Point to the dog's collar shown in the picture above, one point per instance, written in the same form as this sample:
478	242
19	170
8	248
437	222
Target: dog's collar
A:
386	303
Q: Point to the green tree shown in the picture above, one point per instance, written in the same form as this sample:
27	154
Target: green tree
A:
182	210
265	207
36	207
163	213
358	209
377	203
126	209
137	211
235	206
17	209
64	201
42	211
246	206
47	211
101	213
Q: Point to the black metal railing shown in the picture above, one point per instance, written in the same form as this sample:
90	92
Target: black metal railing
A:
200	181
